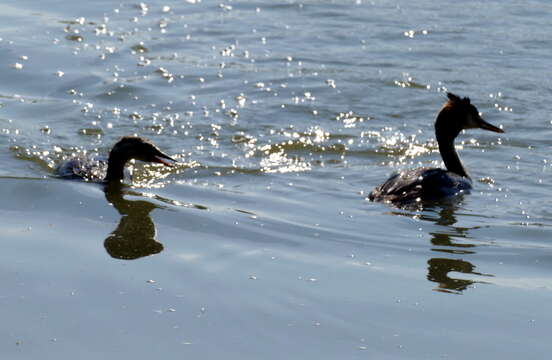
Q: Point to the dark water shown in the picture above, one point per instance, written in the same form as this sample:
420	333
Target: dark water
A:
261	243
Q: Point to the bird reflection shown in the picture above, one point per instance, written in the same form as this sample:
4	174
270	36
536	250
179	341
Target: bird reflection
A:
439	268
134	237
445	240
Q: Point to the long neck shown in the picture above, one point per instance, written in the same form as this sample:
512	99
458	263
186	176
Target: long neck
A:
115	168
450	157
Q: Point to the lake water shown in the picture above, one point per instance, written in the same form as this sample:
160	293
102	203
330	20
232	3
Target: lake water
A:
261	244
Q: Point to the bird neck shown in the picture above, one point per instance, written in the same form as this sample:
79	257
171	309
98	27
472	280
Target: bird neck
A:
115	168
450	157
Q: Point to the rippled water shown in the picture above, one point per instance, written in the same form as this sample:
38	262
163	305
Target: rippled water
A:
261	243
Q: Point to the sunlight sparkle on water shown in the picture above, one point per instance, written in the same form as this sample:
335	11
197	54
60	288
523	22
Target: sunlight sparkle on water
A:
280	163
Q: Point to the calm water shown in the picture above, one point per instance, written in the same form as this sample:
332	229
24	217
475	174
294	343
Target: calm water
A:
261	244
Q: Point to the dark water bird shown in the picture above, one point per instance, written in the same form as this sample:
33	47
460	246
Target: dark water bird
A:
433	183
112	170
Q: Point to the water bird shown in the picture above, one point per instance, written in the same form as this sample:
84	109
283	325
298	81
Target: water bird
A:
127	148
425	183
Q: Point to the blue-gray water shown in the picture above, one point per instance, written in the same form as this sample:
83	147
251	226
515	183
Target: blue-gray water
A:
261	244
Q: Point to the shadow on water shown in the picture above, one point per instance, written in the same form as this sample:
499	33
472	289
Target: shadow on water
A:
446	241
450	240
134	237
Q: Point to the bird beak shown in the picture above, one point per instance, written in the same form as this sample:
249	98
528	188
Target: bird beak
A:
486	126
160	158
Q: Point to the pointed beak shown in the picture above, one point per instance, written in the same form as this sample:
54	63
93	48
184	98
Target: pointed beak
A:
162	159
486	126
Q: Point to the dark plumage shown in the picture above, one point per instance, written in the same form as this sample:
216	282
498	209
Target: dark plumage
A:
127	148
432	183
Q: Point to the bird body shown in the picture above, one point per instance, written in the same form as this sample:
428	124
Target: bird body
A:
421	184
93	169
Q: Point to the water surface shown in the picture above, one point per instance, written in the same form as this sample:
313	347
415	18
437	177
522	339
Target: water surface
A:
283	116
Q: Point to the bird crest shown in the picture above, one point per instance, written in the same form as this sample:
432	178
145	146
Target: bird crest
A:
457	99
